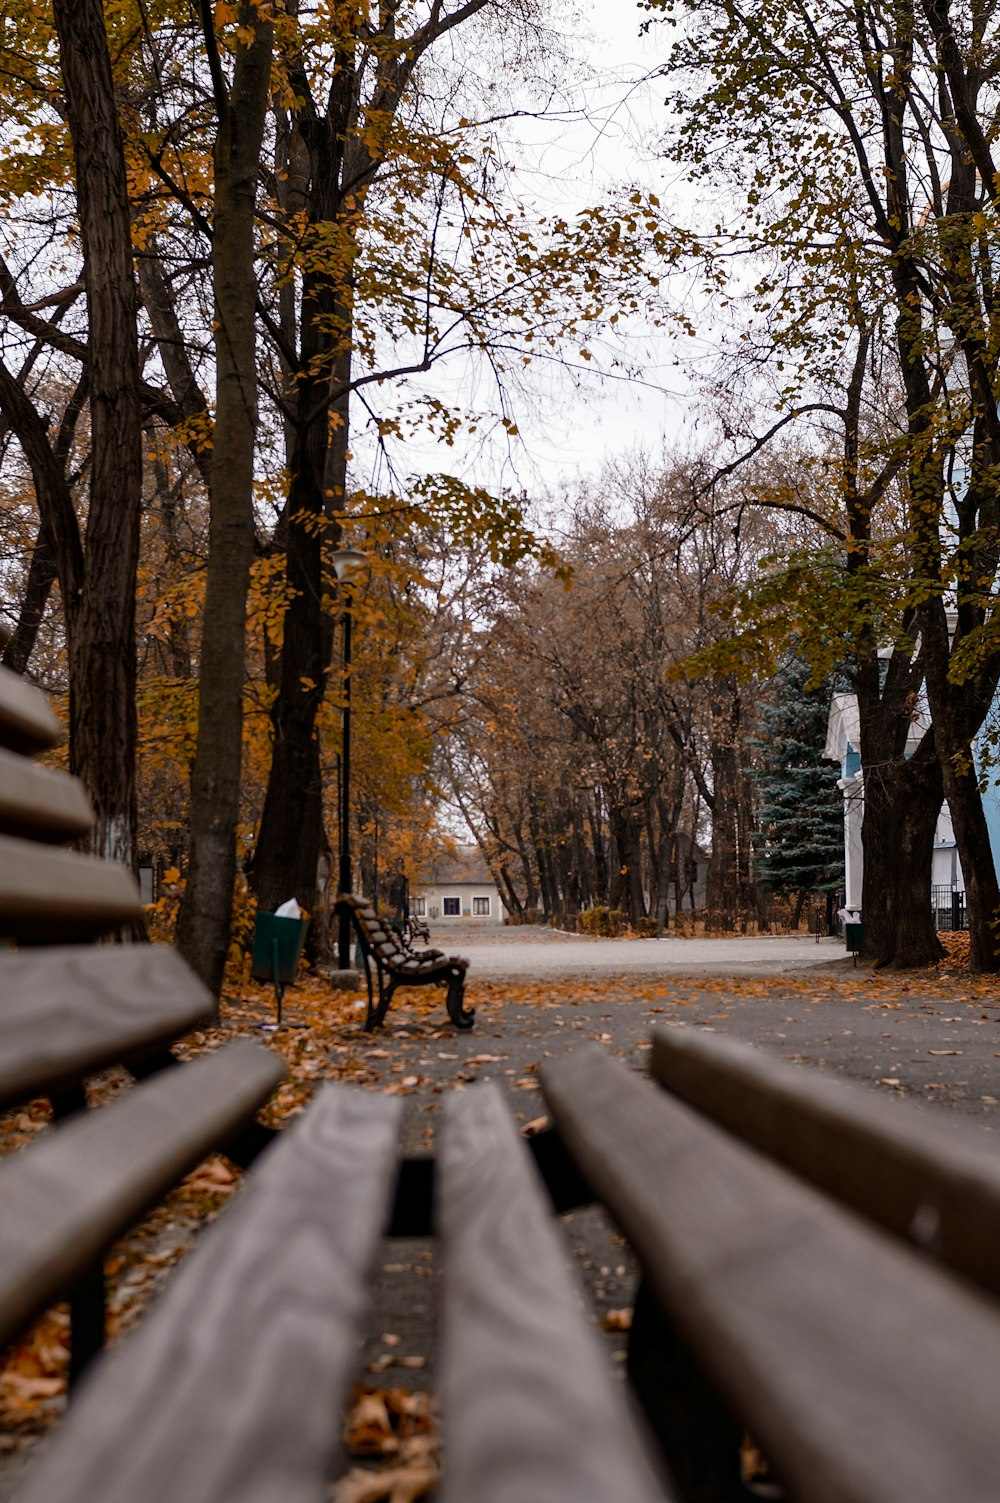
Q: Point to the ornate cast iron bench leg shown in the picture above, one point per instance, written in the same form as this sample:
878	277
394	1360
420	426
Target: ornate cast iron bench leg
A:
460	1015
386	987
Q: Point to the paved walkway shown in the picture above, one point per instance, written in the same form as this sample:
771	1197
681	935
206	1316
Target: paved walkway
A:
537	952
931	1041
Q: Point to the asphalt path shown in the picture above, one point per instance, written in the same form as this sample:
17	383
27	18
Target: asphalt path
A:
537	952
928	1042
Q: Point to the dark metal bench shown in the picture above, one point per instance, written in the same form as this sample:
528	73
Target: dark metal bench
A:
818	1267
396	964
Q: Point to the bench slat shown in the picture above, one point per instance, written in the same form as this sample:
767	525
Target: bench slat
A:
865	1372
67	1197
69	1011
27	724
529	1408
47	893
230	1391
40	802
933	1183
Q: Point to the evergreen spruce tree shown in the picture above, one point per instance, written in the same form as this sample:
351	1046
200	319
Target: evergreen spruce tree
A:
800	843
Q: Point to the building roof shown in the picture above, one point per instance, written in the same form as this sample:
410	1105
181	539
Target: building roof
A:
465	866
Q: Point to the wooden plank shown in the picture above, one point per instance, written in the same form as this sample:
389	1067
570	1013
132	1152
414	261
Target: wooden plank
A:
232	1390
27	723
867	1374
66	1198
53	895
931	1182
39	802
529	1408
71	1010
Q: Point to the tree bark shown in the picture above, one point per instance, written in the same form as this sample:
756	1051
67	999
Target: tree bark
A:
958	711
902	803
206	913
101	629
291	827
43	571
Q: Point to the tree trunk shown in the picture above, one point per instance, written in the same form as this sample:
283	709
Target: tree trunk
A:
902	803
291	828
43	572
602	881
585	886
527	870
512	902
101	629
206	914
958	711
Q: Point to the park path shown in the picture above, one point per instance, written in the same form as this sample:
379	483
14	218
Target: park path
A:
930	1040
534	951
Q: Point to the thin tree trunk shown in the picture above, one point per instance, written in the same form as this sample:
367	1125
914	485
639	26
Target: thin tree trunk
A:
206	914
291	828
42	574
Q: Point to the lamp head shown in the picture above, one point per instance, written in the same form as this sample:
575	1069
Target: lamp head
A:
347	562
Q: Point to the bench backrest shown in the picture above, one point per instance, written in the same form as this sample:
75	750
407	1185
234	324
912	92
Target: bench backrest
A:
379	939
71	1009
47	893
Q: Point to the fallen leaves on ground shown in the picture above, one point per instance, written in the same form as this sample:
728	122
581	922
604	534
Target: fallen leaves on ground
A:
36	1367
391	1423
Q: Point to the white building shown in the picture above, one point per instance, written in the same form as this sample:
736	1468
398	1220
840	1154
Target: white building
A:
458	890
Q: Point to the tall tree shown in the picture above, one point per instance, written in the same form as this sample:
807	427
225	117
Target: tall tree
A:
864	185
399	245
203	929
800	848
99	588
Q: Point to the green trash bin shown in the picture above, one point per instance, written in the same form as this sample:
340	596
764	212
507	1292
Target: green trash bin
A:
277	950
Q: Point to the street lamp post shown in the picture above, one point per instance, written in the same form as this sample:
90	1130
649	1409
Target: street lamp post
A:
346	564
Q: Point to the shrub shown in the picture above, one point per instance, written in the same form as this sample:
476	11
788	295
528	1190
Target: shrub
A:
605	922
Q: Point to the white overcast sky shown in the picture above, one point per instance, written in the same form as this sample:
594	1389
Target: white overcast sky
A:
570	426
579	430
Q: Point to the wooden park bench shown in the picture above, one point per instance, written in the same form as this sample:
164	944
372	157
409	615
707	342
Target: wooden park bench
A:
397	964
818	1267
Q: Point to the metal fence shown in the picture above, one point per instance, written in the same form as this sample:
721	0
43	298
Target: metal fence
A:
948	905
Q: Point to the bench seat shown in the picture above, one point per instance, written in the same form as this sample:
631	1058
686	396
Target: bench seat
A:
862	1368
531	1408
229	1391
68	1011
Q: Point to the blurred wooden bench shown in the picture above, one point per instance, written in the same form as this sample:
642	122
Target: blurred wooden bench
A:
261	1340
818	1267
396	964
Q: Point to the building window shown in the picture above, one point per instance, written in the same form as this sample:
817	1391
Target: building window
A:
452	907
480	907
419	907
